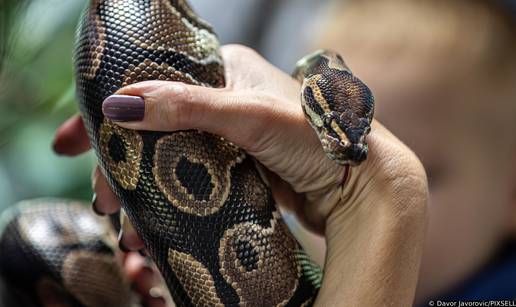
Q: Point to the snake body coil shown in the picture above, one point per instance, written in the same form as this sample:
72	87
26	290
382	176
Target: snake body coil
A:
198	202
54	247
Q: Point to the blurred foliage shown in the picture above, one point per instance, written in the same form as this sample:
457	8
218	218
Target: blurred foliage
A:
36	95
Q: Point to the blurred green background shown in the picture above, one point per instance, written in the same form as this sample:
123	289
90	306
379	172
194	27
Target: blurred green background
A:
37	90
36	95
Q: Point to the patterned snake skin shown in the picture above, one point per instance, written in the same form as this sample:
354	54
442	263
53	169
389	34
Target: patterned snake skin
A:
204	213
60	246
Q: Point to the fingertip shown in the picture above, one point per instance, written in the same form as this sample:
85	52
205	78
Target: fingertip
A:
129	240
56	146
71	138
106	201
94	206
145	105
133	265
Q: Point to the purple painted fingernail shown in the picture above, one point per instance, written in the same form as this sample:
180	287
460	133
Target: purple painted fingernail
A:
124	108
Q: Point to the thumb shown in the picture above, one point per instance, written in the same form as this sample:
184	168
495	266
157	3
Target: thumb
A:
170	106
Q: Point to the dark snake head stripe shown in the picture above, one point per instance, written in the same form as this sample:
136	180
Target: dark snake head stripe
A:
59	246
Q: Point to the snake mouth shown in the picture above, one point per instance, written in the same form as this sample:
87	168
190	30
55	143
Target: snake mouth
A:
357	153
344	152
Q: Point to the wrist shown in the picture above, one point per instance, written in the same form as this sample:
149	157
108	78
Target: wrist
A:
375	237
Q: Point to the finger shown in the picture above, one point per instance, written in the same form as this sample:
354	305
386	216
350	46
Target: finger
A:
283	193
145	279
139	271
105	201
128	239
71	138
169	106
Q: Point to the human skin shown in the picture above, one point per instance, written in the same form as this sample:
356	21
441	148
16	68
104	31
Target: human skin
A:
374	222
459	119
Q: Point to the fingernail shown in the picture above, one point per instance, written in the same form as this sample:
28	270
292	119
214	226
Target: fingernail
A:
115	221
124	108
156	292
121	242
94	205
59	148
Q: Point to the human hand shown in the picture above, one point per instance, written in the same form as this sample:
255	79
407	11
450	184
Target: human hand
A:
373	222
147	281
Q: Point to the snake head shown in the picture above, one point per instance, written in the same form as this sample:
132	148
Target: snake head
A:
337	105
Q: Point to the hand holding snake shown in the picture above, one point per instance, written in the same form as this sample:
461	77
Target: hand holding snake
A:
372	221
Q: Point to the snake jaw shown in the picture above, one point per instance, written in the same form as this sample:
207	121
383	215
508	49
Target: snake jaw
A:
334	140
342	151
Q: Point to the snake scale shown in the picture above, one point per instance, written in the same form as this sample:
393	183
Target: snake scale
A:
205	214
58	250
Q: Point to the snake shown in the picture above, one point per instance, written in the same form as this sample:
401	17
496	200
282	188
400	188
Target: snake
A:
201	205
59	247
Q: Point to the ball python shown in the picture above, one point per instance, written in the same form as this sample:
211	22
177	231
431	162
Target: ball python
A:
55	247
199	203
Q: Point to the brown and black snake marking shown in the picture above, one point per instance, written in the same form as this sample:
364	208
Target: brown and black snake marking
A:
253	256
61	245
124	162
337	104
181	156
197	201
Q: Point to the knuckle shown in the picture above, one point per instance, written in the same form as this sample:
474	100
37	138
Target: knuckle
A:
175	110
412	167
409	183
183	115
404	170
255	131
397	175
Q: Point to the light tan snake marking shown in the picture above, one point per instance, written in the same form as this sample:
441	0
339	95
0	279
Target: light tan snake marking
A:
198	202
